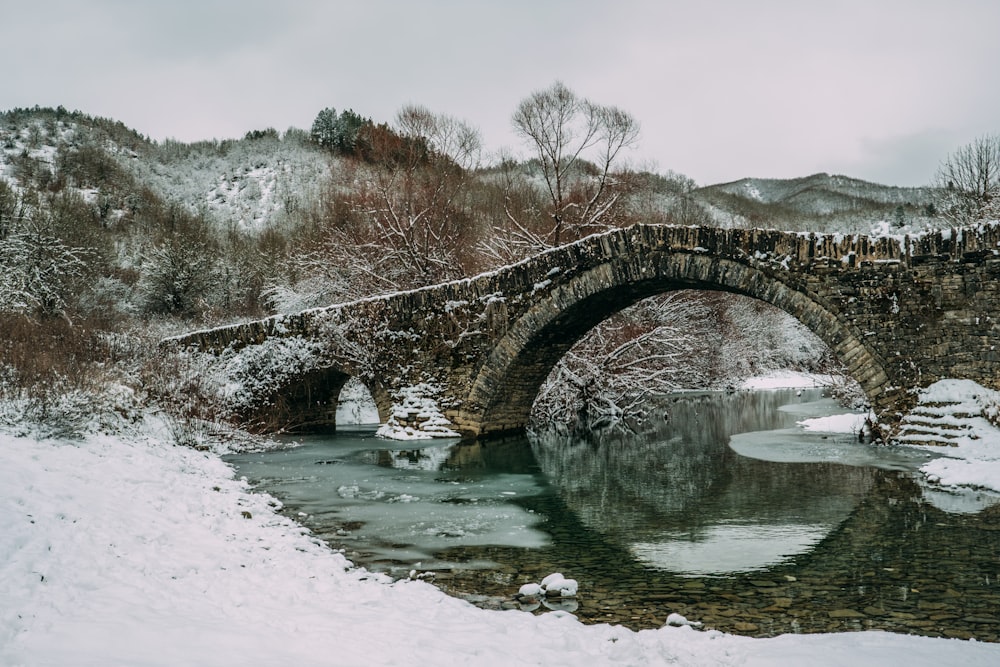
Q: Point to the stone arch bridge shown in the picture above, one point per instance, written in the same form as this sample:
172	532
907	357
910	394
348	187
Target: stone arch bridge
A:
469	356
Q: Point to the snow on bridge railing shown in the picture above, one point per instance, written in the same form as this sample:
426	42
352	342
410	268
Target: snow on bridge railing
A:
775	247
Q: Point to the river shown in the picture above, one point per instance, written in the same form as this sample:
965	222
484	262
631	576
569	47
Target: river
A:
723	510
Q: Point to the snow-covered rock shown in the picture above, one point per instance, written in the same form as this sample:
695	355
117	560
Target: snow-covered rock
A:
557	584
956	419
417	416
530	591
676	620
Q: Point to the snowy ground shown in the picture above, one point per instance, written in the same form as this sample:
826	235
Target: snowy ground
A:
786	380
953	412
130	551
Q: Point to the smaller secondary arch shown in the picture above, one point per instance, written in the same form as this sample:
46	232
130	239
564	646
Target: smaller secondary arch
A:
506	386
308	403
356	405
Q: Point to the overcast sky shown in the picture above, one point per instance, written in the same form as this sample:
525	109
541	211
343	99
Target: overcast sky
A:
875	89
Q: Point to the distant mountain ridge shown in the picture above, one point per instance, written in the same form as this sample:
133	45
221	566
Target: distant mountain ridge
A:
830	197
795	190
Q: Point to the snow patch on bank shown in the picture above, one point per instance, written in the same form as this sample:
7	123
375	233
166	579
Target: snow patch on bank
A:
785	379
969	412
851	422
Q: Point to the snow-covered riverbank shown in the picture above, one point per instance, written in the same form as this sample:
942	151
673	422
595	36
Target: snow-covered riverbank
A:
141	553
131	551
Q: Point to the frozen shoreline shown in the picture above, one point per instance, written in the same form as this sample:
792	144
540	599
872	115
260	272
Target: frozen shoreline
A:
969	459
132	551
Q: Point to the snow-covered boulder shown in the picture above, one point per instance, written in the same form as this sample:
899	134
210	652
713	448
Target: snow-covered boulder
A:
556	584
530	591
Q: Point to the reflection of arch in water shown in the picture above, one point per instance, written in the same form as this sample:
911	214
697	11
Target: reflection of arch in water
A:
506	386
512	455
681	495
891	555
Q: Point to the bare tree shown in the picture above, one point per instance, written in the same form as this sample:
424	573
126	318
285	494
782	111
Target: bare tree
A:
606	378
395	214
445	135
13	209
576	143
969	180
416	177
514	232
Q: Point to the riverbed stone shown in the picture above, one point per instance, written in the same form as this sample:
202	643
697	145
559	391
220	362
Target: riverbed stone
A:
955	633
982	620
931	606
744	626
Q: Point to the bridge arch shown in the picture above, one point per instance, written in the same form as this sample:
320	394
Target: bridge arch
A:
505	387
307	402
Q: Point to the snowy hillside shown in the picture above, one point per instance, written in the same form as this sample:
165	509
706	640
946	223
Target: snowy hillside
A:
245	183
24	145
837	200
259	180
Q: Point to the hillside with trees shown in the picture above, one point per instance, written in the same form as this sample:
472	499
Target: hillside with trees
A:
110	241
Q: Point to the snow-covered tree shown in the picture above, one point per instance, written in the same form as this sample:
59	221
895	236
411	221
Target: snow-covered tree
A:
13	209
38	270
177	278
607	377
398	216
414	194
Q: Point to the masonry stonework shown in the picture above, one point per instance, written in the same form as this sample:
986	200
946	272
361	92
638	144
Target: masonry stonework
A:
899	312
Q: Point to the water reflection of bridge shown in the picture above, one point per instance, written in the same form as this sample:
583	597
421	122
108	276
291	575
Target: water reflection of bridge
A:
883	558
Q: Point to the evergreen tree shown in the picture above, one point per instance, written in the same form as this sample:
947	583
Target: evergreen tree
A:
338	133
324	128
